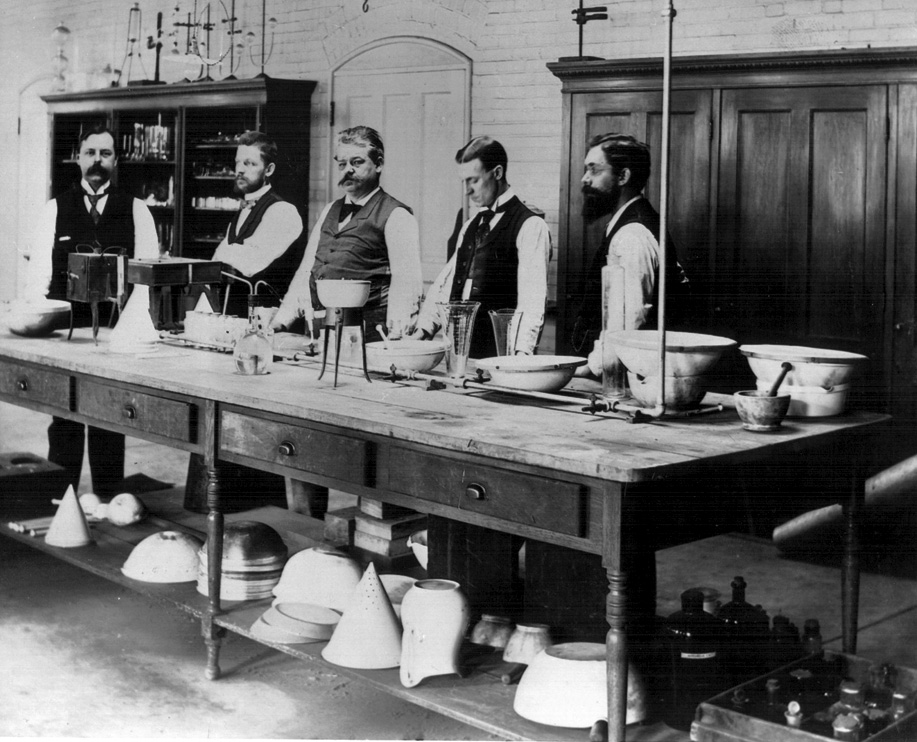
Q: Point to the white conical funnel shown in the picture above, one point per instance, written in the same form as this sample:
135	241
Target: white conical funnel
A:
203	305
368	636
135	332
69	527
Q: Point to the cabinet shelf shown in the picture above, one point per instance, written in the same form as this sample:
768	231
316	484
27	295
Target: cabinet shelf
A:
215	177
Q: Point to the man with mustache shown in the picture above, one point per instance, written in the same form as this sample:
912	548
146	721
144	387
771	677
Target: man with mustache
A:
617	167
501	257
262	240
366	235
92	213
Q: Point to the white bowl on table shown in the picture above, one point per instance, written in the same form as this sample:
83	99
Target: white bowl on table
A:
531	373
37	318
686	353
342	293
405	355
811	367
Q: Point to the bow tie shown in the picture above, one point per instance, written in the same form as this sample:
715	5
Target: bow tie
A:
247	203
348	209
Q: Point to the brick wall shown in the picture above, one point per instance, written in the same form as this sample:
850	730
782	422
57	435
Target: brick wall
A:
514	97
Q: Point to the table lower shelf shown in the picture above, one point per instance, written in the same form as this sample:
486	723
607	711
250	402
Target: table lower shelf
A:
479	699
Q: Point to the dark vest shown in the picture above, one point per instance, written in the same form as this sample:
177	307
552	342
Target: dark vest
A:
358	250
278	274
75	227
589	317
493	270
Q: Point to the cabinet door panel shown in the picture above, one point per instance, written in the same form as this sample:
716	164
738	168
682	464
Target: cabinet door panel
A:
639	114
801	233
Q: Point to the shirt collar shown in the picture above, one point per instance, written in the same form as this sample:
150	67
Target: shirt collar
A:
255	195
614	219
87	189
362	201
501	199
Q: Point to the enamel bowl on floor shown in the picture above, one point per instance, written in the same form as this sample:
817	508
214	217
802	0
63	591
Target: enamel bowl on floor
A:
168	556
405	355
686	353
37	318
812	367
531	373
566	686
320	576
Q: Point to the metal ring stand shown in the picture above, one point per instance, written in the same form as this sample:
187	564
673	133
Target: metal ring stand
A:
337	318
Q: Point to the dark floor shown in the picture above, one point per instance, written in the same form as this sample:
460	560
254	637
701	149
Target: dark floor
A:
83	657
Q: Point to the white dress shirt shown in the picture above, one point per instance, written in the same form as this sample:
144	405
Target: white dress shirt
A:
146	241
402	239
636	250
533	245
279	227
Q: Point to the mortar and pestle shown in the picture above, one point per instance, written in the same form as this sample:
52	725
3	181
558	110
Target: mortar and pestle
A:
762	412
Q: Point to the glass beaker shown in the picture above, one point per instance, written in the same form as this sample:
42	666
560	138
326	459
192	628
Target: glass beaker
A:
458	323
506	323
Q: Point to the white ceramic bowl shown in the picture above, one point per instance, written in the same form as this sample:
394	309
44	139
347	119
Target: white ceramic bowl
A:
35	319
812	367
320	576
303	620
812	401
531	373
406	355
565	686
687	353
418	543
168	556
681	392
342	292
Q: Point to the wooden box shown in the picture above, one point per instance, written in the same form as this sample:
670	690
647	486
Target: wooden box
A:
27	485
720	720
173	271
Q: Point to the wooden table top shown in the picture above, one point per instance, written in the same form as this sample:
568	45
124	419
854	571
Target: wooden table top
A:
504	427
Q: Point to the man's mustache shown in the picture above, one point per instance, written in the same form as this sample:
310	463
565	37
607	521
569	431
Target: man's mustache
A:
96	169
346	179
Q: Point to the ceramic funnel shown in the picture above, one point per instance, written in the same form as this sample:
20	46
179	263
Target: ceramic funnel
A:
69	527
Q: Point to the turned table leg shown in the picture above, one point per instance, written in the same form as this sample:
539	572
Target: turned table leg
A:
850	566
213	634
616	656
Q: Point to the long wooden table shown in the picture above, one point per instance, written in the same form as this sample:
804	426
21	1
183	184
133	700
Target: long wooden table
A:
546	473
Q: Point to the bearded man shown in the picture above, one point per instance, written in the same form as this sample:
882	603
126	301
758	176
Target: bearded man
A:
617	167
262	240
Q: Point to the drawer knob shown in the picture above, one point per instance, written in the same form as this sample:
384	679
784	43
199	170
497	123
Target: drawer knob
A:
475	491
286	449
23	384
130	412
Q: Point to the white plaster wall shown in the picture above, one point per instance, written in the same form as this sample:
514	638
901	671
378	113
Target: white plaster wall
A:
514	97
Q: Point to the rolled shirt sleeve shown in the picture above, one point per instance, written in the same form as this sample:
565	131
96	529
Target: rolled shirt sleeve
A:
402	238
279	227
533	244
146	240
297	302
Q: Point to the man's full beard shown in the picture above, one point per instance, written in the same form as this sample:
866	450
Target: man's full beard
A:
596	203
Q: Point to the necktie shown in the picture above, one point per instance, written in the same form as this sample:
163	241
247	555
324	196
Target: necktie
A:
348	209
483	228
94	206
479	229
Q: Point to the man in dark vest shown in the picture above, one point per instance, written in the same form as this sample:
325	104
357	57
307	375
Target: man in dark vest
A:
262	240
90	214
366	235
501	255
617	167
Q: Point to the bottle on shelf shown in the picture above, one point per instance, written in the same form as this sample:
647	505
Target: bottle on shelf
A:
695	638
746	632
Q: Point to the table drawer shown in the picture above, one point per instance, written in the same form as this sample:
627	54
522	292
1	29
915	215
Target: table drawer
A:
521	498
146	413
35	384
295	446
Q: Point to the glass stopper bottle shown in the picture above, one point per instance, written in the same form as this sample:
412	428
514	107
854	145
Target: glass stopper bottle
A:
746	636
254	351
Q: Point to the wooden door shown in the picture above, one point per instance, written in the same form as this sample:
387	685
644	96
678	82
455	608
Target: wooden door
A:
800	253
638	114
416	97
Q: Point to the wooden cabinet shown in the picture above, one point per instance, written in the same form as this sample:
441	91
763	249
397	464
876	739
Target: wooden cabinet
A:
790	179
177	151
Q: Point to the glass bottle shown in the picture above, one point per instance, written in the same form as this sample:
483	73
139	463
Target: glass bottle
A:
254	351
694	638
746	636
785	646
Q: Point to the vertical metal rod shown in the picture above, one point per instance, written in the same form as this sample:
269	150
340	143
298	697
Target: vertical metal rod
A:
668	14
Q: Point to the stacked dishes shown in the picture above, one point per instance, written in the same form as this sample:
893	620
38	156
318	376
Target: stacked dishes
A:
296	623
253	559
818	382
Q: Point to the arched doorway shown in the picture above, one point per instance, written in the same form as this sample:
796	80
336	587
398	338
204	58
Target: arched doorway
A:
416	93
